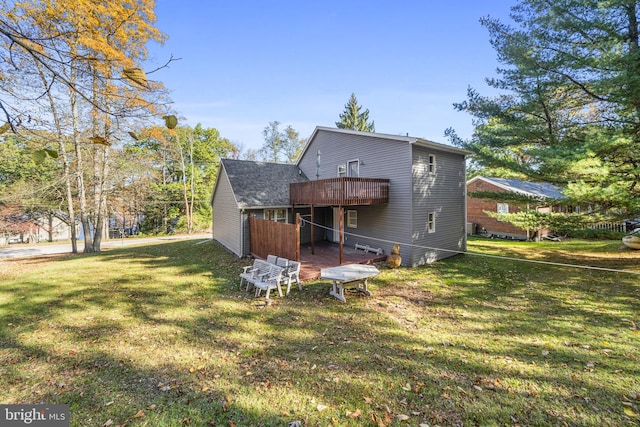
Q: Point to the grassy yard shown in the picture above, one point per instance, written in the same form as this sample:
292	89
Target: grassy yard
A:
160	335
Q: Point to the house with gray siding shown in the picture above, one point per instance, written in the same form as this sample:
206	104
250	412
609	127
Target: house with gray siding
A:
246	187
387	189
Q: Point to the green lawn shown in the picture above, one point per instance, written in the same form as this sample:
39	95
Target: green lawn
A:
160	335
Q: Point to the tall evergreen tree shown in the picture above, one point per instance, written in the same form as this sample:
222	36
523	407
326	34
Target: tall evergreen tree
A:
569	108
352	118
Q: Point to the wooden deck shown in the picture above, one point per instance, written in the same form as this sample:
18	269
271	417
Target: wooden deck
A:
328	255
344	191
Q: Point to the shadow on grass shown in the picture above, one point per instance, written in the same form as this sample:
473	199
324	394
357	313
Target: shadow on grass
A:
165	330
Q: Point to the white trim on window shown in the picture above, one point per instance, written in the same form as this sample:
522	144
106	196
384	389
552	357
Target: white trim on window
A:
431	165
431	222
342	170
277	215
502	208
352	219
353	168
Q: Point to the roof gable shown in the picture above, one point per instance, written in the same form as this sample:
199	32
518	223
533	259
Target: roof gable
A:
399	138
532	189
261	184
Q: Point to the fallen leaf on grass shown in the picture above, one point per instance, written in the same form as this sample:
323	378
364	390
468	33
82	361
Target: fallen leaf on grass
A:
402	417
107	423
139	414
630	412
321	407
368	400
354	414
407	387
377	420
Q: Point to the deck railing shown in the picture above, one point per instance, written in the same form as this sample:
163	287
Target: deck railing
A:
340	192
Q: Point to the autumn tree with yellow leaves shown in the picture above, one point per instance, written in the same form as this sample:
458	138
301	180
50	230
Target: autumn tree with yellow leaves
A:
74	68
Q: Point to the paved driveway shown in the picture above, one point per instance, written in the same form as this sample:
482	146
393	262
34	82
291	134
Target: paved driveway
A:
23	250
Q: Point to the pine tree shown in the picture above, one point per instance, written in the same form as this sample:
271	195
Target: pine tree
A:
569	107
353	119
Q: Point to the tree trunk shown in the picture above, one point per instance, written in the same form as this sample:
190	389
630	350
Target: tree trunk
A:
101	172
193	184
66	168
185	191
82	195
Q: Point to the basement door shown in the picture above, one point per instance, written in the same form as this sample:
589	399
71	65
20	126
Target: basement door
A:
335	234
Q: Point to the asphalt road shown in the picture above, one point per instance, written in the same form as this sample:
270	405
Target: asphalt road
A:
20	250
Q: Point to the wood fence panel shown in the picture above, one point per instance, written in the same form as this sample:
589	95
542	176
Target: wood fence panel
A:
274	238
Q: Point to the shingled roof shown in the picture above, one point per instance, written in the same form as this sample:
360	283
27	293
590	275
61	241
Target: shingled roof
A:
261	184
533	189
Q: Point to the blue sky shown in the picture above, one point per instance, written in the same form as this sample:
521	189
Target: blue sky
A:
247	63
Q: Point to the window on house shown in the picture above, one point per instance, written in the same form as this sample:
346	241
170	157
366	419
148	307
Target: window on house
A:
342	171
353	168
432	164
277	215
503	208
352	219
431	222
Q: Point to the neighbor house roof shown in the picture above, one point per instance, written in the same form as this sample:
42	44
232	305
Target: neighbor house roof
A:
261	184
527	188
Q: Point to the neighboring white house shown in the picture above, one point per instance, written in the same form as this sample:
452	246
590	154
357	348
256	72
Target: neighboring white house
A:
49	226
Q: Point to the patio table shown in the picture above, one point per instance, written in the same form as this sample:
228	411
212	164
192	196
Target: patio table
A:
349	274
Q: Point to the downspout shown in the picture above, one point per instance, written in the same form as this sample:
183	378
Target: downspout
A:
464	203
241	233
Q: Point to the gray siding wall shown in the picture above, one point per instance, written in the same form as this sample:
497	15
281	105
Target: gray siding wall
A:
246	233
443	193
319	217
380	158
226	216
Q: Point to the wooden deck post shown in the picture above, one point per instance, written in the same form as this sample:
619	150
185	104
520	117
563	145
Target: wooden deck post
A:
297	237
313	240
341	221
